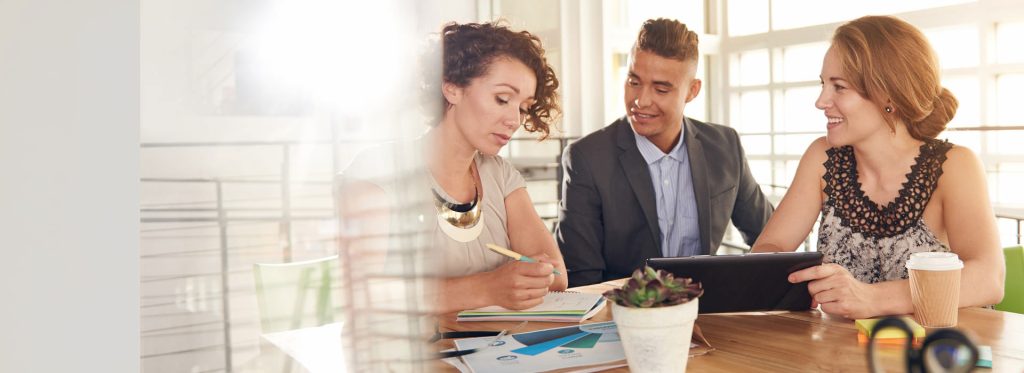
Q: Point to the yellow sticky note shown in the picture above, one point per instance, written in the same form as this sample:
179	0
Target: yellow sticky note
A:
864	327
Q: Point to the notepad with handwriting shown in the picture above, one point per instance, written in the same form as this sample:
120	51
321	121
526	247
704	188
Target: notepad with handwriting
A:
557	307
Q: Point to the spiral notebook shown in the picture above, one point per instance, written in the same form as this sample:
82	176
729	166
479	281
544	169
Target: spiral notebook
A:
557	307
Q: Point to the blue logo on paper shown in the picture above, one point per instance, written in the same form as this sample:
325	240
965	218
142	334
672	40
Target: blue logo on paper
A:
566	351
507	357
498	343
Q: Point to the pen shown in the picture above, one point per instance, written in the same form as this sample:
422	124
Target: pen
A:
515	255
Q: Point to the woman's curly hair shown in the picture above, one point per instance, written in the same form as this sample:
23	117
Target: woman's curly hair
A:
469	49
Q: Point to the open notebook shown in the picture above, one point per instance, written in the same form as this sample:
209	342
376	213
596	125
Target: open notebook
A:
557	307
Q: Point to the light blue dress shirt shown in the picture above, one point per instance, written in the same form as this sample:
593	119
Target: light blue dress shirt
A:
673	190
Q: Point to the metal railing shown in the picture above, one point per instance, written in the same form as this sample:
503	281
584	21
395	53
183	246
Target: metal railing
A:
1014	214
222	218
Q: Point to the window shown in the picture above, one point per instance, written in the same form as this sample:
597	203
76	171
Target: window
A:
1008	36
635	12
751	111
800	63
788	14
747	17
956	46
750	68
771	104
1009	90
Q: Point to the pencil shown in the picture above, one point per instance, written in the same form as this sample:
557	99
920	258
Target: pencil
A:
515	255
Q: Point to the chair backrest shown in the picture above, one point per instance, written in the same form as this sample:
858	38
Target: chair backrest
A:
295	295
1013	292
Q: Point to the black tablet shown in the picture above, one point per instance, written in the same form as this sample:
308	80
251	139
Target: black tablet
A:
750	282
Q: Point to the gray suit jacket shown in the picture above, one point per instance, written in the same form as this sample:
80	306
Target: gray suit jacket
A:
608	217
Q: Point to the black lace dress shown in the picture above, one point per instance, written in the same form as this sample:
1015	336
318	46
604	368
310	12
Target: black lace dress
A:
874	242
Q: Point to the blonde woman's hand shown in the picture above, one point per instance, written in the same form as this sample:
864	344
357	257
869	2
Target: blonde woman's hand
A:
837	291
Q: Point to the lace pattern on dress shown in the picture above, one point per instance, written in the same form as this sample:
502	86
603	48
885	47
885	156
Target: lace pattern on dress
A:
871	259
872	243
860	213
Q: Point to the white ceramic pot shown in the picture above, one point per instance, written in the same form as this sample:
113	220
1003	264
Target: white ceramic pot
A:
656	339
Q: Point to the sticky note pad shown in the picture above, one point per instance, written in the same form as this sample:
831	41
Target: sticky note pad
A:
984	356
864	328
862	339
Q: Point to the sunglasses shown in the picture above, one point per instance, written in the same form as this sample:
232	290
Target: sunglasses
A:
944	350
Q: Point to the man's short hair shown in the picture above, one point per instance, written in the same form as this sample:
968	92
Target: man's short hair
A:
668	38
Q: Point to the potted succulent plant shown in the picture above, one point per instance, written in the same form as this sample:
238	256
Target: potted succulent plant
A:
654	313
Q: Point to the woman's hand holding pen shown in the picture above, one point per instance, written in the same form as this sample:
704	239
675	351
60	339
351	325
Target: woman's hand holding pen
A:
520	285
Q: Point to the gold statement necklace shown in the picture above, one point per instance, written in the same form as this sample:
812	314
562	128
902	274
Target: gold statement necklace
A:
461	222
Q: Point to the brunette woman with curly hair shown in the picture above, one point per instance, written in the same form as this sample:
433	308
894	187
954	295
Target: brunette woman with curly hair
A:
493	81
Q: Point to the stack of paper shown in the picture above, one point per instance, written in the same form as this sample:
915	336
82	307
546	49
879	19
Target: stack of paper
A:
557	307
584	346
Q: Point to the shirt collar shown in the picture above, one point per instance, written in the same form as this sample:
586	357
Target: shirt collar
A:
652	153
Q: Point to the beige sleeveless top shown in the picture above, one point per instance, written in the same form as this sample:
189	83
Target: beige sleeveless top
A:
498	179
398	169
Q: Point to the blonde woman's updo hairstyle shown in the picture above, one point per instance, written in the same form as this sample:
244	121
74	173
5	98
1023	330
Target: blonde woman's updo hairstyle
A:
469	49
885	57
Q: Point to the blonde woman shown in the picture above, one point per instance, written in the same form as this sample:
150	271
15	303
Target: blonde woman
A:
884	185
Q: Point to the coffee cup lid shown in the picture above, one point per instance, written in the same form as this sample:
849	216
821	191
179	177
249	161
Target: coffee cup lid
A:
934	261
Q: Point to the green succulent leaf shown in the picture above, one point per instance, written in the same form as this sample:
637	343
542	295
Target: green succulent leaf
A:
648	288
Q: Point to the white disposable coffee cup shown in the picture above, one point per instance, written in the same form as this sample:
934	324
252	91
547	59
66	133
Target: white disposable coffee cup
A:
935	288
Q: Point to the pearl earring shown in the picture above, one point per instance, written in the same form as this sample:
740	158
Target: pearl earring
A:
888	109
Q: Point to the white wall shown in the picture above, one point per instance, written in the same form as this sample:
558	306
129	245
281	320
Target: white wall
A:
69	111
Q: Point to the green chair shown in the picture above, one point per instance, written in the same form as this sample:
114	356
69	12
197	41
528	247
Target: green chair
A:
292	296
295	295
1013	293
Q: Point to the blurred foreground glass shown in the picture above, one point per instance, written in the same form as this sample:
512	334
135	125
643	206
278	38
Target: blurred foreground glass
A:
944	350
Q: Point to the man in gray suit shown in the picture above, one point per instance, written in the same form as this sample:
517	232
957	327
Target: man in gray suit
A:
655	183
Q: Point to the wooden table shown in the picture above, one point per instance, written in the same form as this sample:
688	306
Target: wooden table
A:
799	341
